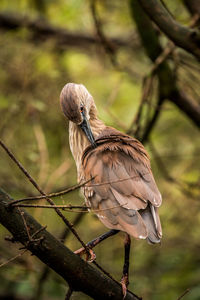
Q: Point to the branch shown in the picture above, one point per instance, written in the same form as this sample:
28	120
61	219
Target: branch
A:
146	91
62	206
168	88
13	258
193	6
34	183
184	37
154	51
187	105
80	275
43	31
52	195
184	293
45	272
150	125
107	45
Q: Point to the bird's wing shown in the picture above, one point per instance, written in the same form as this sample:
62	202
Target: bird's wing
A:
122	183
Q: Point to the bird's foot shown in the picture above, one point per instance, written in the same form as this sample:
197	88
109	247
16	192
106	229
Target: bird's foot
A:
90	255
124	282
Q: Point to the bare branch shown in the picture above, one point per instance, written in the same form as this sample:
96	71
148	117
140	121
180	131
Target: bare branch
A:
184	37
80	275
167	51
193	6
25	224
107	45
69	225
44	31
52	195
187	105
71	207
13	258
168	88
57	210
147	87
186	291
151	123
64	207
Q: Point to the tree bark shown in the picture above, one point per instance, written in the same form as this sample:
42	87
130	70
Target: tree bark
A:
186	104
193	6
80	275
182	36
168	88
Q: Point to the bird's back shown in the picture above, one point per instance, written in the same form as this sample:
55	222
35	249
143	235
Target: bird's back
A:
123	192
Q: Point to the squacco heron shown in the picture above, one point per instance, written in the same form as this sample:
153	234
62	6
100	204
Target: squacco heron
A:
122	191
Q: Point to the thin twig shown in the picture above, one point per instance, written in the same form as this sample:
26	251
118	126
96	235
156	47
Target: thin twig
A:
70	189
42	193
12	203
38	231
160	59
70	207
170	47
51	206
25	224
69	225
31	238
147	86
117	180
150	124
13	258
184	293
107	45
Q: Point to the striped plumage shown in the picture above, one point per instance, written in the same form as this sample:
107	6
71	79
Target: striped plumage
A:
123	192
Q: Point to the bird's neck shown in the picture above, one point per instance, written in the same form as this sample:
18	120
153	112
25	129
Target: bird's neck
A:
78	141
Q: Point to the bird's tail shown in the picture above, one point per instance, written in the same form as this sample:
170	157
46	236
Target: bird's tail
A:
152	221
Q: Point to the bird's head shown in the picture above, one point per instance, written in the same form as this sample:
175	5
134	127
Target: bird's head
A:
78	106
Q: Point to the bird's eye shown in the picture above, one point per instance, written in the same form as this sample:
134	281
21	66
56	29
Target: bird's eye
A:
81	108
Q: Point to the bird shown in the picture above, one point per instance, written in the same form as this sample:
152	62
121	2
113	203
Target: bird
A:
121	190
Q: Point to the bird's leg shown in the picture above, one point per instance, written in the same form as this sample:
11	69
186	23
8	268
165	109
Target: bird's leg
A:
124	280
95	242
101	238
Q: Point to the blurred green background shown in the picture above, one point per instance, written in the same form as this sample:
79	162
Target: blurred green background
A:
32	74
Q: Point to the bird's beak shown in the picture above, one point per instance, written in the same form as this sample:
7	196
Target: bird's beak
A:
85	126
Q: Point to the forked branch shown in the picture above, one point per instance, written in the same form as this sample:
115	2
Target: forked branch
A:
80	275
182	36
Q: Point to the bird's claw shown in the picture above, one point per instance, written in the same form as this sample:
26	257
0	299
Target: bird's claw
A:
80	251
90	255
124	282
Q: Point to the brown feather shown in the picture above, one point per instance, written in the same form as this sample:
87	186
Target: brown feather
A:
123	192
70	107
123	178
